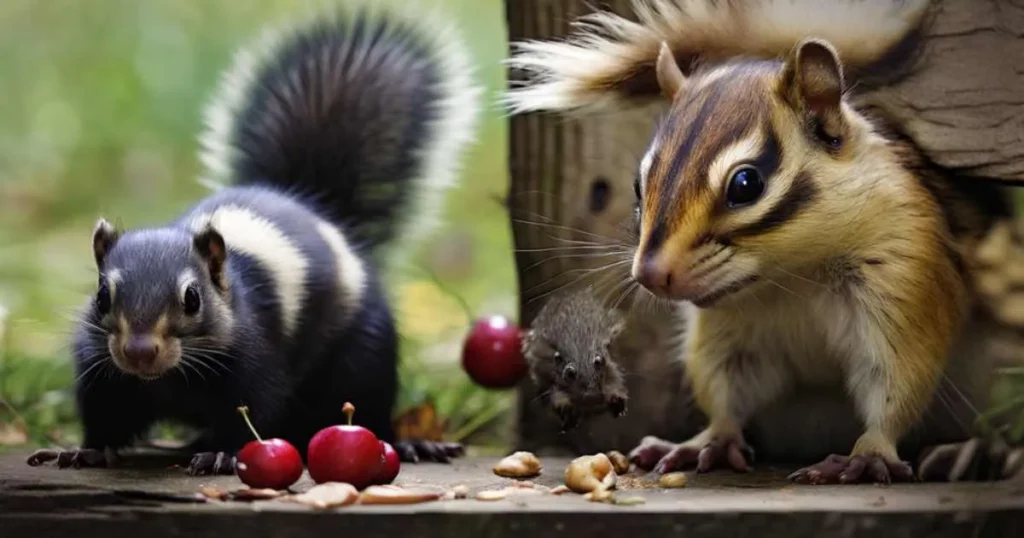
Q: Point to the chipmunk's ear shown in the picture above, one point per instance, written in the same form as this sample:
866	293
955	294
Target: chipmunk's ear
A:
104	237
812	83
210	245
670	78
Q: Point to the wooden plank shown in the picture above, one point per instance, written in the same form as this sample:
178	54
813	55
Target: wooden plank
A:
114	503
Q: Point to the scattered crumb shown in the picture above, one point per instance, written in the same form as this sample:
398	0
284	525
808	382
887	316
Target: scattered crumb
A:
672	480
878	502
635	482
518	465
523	484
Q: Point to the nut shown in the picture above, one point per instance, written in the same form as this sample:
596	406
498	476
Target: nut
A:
518	465
255	494
328	495
396	495
672	480
598	495
491	495
461	491
588	473
558	490
619	462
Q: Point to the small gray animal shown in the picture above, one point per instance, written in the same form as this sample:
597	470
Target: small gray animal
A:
569	352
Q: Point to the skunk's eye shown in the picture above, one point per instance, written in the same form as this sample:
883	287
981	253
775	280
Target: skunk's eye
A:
745	186
191	300
103	299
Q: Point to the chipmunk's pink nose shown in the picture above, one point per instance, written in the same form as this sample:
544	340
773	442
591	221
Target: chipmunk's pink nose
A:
654	274
141	351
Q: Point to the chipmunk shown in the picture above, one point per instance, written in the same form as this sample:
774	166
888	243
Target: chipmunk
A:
332	139
822	263
568	348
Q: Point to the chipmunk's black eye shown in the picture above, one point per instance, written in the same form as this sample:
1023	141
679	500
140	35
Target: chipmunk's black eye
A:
103	299
745	186
191	300
598	361
559	359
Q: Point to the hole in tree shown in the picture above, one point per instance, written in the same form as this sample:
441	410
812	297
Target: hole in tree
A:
600	194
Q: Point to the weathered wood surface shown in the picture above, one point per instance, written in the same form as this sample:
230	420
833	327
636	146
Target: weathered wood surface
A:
45	501
571	182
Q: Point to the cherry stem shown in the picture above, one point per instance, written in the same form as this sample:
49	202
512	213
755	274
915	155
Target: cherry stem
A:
349	410
244	411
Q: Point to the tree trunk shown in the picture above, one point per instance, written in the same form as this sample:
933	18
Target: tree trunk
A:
571	181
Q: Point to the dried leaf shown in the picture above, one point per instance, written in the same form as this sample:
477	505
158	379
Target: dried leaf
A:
12	435
421	422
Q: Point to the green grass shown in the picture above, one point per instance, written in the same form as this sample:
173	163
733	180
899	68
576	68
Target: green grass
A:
100	114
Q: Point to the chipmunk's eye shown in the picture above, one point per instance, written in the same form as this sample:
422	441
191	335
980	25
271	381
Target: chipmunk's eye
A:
745	186
559	359
598	361
103	299
191	300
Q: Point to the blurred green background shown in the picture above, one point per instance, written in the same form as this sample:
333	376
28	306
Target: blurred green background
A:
99	116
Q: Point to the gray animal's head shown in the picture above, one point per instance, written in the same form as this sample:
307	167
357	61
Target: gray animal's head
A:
570	343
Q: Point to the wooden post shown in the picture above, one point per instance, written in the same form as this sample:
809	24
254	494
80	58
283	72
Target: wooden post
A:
571	180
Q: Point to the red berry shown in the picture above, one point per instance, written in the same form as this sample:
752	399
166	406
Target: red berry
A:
492	354
391	466
345	453
267	463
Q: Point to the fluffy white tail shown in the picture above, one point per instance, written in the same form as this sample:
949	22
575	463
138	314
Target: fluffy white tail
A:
609	59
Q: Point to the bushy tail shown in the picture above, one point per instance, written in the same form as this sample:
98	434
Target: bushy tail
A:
608	60
368	111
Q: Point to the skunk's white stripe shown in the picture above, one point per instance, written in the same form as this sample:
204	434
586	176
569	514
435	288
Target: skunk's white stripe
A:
247	232
570	74
351	273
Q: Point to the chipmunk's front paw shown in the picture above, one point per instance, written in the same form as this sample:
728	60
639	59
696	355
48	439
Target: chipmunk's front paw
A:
721	452
837	469
974	460
211	463
650	451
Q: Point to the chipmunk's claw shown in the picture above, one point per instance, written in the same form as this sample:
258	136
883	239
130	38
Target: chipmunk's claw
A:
838	469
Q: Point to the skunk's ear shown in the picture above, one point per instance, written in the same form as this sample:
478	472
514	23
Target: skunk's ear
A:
104	236
210	245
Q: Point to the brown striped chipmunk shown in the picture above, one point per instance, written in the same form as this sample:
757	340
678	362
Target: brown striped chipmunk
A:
822	262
